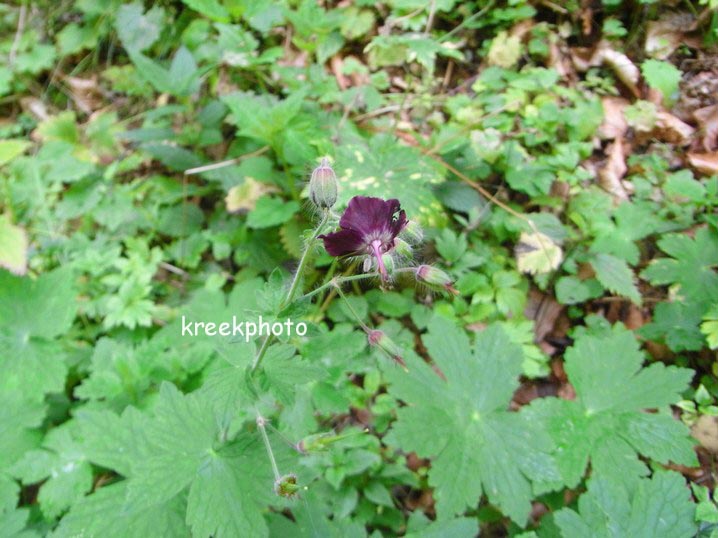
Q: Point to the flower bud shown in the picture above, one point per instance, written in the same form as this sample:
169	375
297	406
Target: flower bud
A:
436	278
323	185
379	339
412	233
286	486
403	249
388	263
367	264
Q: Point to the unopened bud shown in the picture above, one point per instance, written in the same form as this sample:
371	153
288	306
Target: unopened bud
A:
436	278
323	185
412	233
286	486
380	339
367	264
403	249
388	263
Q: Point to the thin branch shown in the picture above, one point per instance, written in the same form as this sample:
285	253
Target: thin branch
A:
430	19
223	164
18	34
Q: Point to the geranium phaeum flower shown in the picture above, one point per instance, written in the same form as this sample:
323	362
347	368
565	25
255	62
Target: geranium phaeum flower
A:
367	227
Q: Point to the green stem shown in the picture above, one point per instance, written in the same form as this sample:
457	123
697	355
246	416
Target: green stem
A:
303	261
261	421
260	354
351	309
466	21
338	282
292	291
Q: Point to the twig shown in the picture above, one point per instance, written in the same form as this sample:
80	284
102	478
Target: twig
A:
223	164
466	21
483	191
173	269
377	112
18	34
430	19
499	203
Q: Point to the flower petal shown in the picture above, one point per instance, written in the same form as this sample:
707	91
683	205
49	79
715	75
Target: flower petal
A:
399	224
343	242
367	214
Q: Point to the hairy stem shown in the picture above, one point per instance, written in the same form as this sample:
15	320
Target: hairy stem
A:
292	290
303	261
338	281
261	424
351	309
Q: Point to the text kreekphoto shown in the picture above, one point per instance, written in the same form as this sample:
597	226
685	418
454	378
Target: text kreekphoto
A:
243	329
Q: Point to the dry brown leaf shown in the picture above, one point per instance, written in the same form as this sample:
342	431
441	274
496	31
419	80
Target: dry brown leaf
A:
622	66
610	176
521	29
705	430
544	310
672	130
337	64
634	318
614	123
603	54
85	93
666	34
706	163
707	118
35	107
557	60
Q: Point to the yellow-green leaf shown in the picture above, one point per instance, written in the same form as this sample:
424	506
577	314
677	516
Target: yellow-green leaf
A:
13	246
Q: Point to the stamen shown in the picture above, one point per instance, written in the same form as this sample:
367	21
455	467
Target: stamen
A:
376	248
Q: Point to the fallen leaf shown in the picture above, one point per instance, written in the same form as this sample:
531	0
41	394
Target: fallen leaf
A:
707	118
706	163
672	130
558	60
544	310
610	176
614	123
536	253
337	64
666	34
705	430
505	50
244	197
85	93
622	66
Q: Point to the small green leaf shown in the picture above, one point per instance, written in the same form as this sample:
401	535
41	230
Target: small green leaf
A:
616	276
662	76
13	246
209	8
271	212
655	508
9	149
138	30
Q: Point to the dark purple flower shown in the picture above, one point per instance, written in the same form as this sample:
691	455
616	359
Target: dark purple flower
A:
367	227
